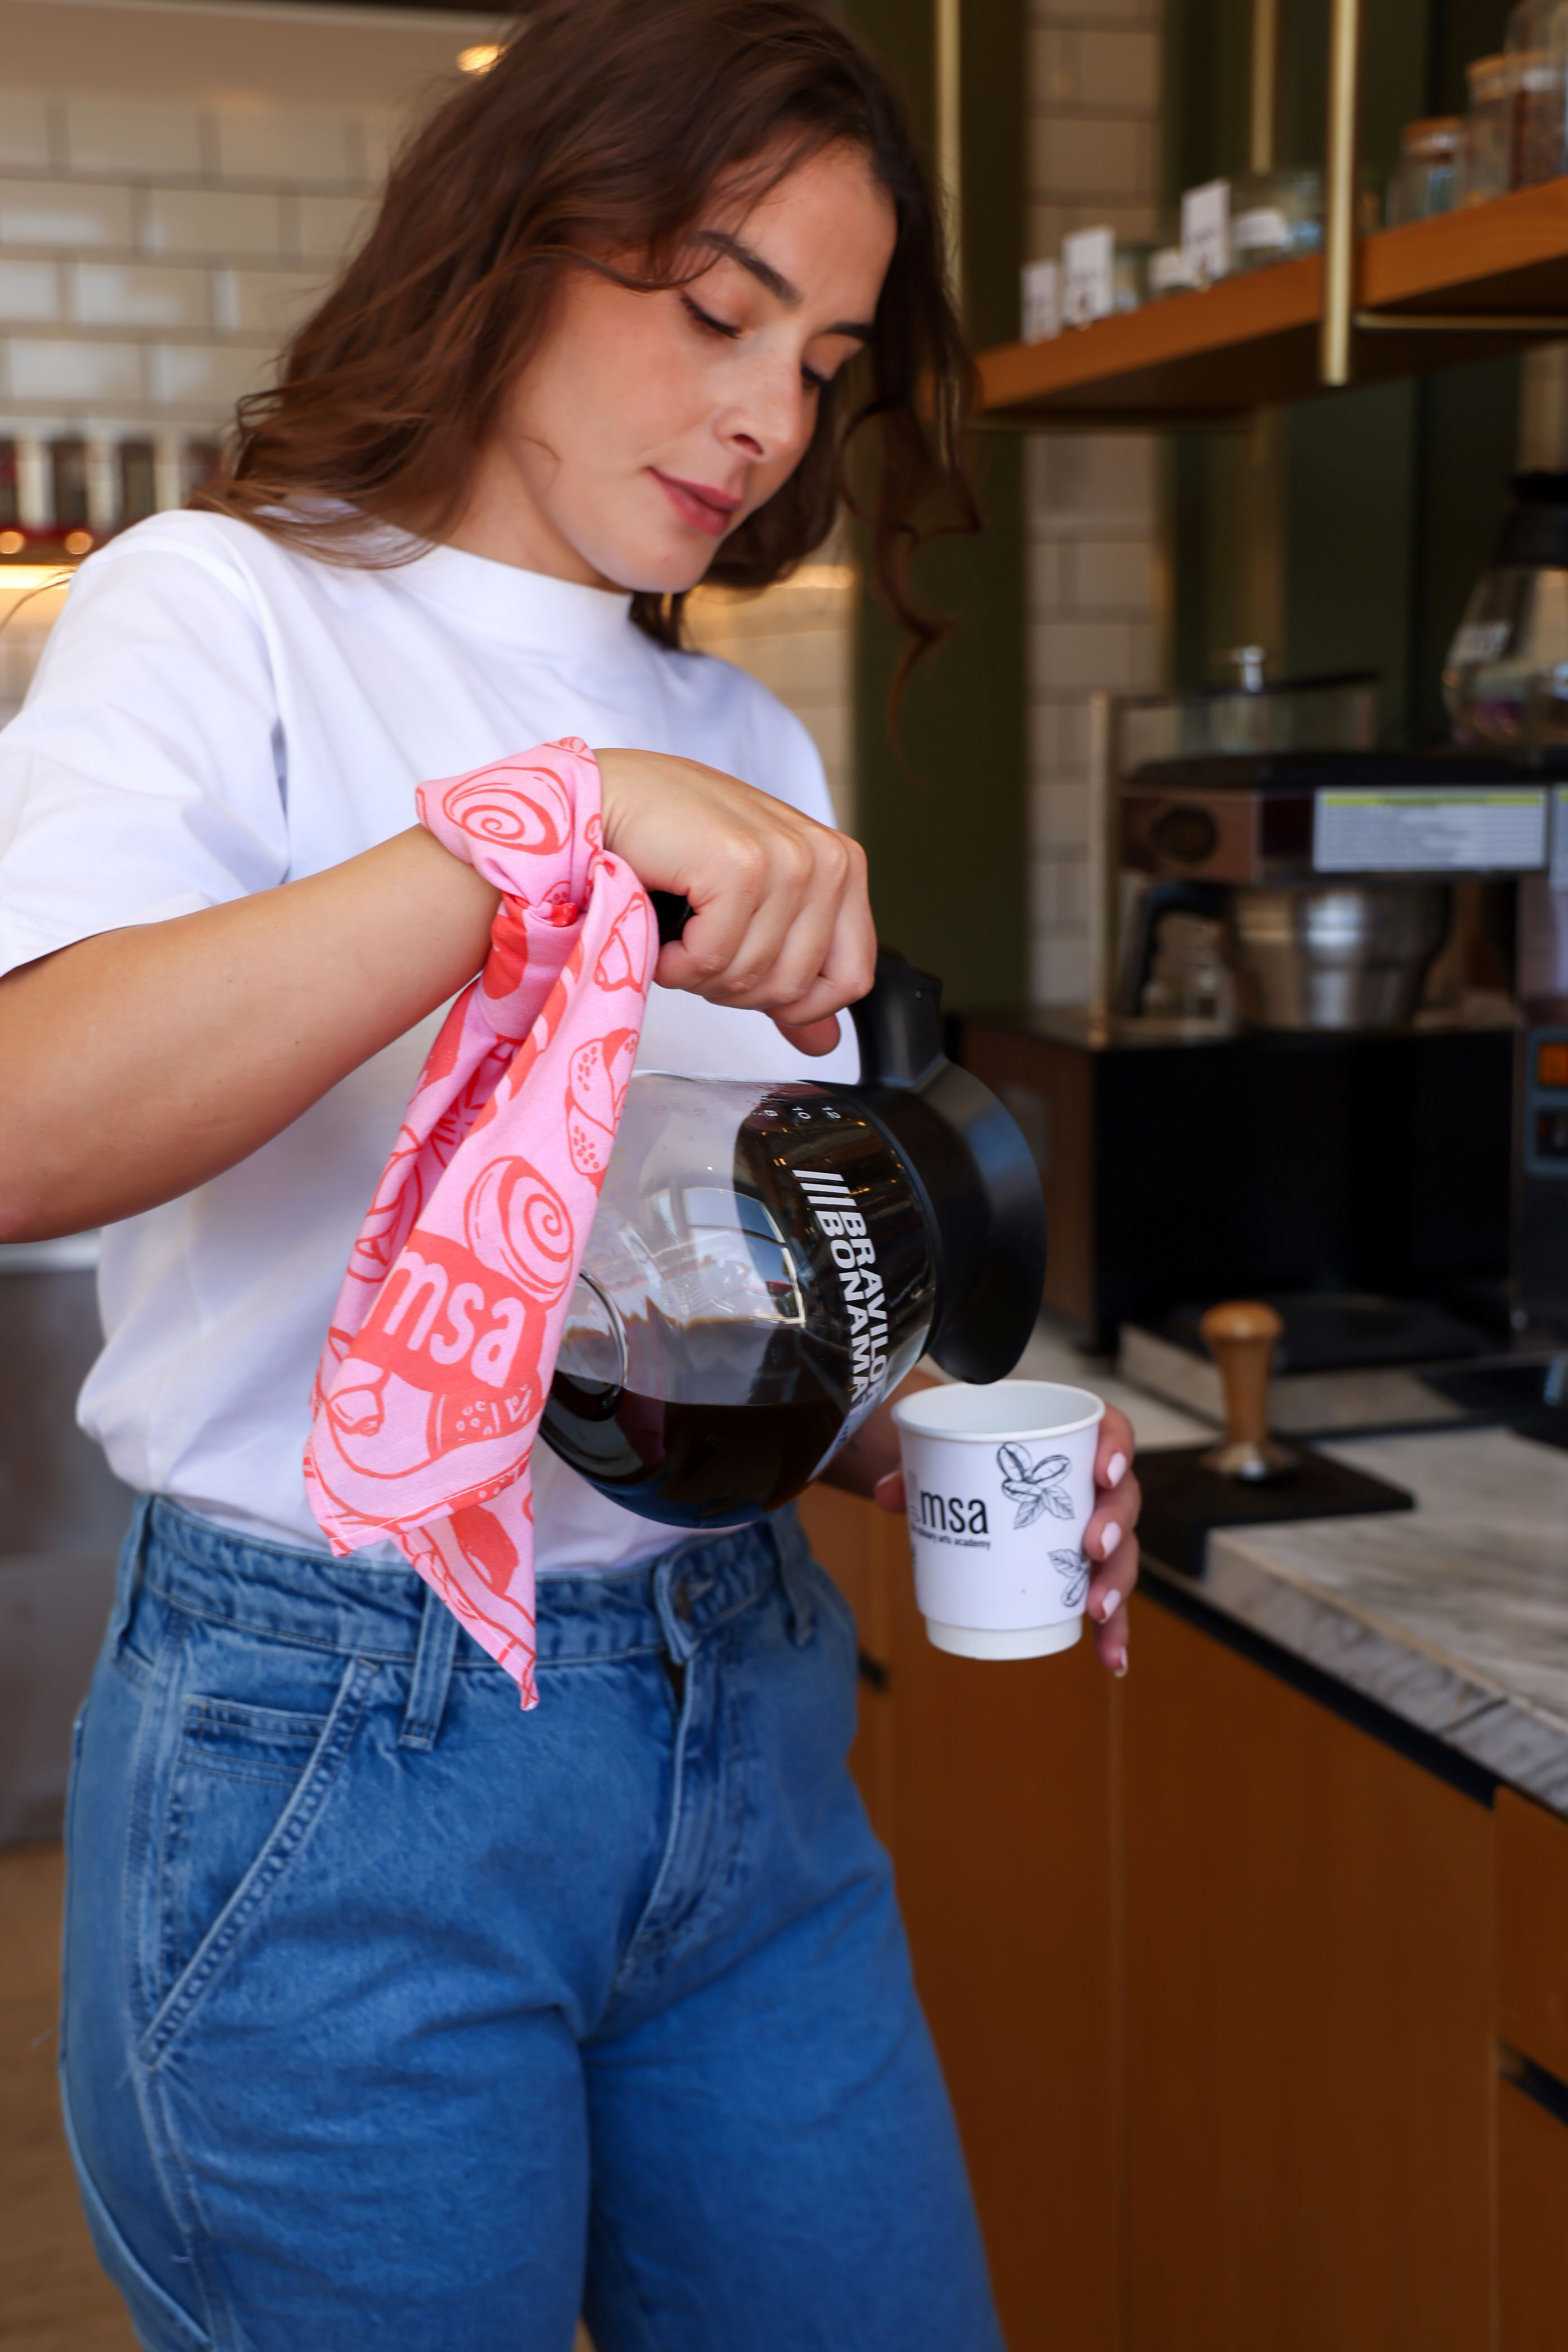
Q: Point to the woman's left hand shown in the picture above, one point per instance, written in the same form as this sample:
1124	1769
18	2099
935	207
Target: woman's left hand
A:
1109	1541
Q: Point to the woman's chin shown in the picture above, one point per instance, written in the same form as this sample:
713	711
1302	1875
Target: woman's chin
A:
667	570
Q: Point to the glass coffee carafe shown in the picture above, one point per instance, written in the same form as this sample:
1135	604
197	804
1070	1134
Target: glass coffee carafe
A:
768	1260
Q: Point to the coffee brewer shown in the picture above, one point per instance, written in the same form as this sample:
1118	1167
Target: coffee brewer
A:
1282	1085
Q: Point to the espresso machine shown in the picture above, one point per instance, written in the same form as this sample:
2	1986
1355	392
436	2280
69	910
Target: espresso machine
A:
1294	1077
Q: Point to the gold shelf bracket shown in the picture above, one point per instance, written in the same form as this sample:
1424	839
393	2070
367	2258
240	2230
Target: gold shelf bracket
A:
1340	257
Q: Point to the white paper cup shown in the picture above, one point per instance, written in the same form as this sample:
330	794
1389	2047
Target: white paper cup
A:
1000	1488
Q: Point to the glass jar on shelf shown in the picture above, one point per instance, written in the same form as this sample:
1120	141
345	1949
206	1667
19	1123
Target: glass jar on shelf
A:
1169	272
1130	274
1276	216
1422	181
1486	158
1537	47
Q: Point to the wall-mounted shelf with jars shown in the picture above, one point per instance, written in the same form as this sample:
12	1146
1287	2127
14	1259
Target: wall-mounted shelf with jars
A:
1253	340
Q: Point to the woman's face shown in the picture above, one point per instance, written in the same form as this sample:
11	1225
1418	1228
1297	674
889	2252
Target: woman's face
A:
649	425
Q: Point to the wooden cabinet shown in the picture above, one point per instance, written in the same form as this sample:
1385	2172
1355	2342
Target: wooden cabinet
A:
1532	1934
998	1789
1532	2206
1310	2017
1257	2027
1532	2102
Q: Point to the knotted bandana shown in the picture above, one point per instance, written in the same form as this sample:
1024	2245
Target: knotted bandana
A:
444	1341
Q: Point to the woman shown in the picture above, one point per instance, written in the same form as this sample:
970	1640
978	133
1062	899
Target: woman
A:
394	2016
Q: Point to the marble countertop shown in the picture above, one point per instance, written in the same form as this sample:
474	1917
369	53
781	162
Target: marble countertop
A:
1454	1616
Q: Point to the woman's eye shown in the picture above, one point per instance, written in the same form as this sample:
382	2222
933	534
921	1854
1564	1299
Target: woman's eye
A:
814	382
705	320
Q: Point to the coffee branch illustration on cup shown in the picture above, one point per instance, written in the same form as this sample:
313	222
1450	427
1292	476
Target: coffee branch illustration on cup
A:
1032	1485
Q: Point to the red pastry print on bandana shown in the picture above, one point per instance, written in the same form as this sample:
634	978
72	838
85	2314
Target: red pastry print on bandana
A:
434	1376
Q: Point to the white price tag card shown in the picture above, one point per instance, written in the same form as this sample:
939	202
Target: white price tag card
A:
1089	275
1042	292
1205	231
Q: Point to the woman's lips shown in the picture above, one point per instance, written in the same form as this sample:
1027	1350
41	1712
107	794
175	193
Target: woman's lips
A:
712	511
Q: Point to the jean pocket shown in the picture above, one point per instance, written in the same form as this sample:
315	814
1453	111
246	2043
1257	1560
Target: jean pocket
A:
247	1787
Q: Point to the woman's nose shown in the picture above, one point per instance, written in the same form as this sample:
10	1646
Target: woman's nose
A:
769	421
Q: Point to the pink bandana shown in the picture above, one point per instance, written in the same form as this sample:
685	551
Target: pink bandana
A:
439	1358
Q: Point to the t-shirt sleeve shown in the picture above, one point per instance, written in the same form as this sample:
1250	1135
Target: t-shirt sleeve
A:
141	778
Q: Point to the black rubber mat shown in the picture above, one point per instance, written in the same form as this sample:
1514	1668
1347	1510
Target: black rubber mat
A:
1184	1503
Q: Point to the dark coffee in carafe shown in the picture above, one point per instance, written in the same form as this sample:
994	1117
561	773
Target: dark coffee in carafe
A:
755	1280
689	1462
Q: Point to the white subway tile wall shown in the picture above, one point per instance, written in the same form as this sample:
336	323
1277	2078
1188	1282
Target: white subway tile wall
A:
323	149
165	251
174	246
104	134
1094	70
65	213
329	226
266	303
30	292
215	221
75	373
136	294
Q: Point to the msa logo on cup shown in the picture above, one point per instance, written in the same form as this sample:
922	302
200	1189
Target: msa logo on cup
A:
833	1204
954	1514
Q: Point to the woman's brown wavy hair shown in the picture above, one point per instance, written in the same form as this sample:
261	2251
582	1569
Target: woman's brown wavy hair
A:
602	135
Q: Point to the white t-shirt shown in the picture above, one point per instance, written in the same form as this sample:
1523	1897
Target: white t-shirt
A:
215	714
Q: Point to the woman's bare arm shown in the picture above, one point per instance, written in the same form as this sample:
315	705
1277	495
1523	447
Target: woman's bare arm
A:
140	1063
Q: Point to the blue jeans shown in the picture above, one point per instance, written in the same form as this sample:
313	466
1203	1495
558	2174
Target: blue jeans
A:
396	2018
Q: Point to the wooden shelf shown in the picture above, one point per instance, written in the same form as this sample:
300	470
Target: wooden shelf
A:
1252	341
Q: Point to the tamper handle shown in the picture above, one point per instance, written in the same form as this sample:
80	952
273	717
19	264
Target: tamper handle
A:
1241	1336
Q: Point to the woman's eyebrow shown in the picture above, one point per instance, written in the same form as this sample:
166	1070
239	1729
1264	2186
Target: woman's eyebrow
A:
777	285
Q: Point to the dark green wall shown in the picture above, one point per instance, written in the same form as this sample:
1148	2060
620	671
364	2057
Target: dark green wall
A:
1384	502
946	830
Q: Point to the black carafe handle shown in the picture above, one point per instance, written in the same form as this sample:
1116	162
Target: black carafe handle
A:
899	1024
670	915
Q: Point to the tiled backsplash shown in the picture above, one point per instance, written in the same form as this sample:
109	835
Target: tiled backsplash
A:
1092	498
151	259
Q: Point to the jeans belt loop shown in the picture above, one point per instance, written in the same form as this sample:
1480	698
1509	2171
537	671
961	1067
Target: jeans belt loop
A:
432	1675
128	1573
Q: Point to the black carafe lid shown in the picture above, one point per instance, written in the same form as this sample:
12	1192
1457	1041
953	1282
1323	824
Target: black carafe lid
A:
973	1173
972	1168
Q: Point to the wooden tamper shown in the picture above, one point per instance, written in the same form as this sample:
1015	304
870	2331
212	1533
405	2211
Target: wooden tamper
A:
1241	1336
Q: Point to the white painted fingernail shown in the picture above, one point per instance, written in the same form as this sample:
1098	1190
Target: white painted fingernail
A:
1109	1605
1115	1470
1121	1666
1109	1540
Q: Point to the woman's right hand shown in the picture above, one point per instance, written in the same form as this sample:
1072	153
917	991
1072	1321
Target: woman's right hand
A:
781	919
